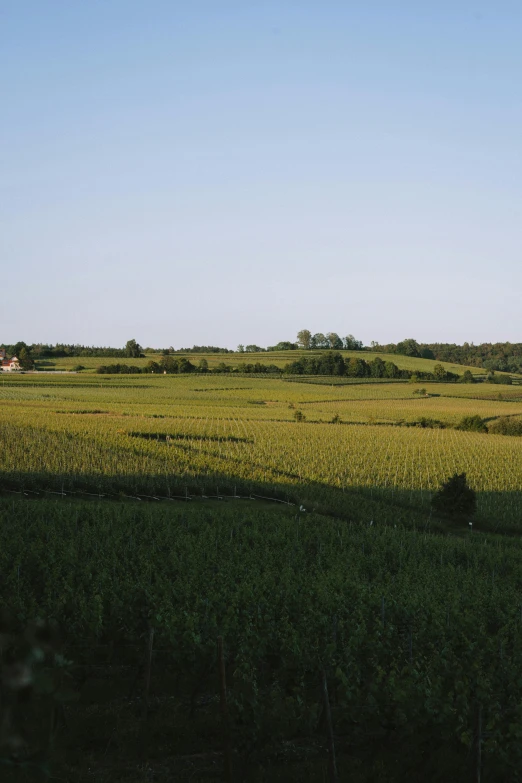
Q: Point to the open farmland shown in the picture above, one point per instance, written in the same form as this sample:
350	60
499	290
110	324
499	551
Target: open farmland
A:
198	506
201	435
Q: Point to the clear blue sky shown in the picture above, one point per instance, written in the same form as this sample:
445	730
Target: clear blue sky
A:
226	171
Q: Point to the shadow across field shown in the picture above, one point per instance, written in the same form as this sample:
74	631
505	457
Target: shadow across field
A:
165	437
499	512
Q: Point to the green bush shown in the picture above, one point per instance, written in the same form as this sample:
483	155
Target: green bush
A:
472	424
503	379
505	425
427	423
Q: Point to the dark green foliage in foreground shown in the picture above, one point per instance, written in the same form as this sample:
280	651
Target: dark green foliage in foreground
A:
412	630
34	684
455	498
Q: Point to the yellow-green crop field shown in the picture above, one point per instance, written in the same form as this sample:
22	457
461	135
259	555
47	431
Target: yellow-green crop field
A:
194	436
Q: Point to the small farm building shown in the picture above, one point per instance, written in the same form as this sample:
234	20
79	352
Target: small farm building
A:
10	365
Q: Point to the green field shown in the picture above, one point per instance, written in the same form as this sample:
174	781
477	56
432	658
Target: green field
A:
175	435
197	505
413	633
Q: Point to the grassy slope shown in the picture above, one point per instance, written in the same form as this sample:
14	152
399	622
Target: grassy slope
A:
279	358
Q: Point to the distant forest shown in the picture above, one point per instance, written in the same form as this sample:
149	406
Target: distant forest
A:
502	357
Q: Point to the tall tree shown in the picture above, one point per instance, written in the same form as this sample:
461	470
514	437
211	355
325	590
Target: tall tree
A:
319	341
304	338
351	344
334	340
133	349
25	359
377	368
408	347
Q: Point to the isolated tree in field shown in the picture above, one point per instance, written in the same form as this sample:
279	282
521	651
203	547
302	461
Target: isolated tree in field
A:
299	416
455	498
304	338
240	348
133	349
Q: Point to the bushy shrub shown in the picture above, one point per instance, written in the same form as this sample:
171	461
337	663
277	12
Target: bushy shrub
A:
427	423
472	424
506	380
505	425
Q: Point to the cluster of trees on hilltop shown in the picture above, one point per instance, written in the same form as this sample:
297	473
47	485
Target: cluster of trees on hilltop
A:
502	357
330	340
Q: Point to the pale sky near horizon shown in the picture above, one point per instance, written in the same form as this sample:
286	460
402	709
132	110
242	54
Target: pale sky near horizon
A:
230	171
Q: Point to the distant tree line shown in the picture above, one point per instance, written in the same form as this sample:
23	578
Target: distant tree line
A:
170	365
167	364
62	350
200	349
501	357
495	357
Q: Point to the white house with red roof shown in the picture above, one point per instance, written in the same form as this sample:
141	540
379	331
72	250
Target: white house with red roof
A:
10	365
